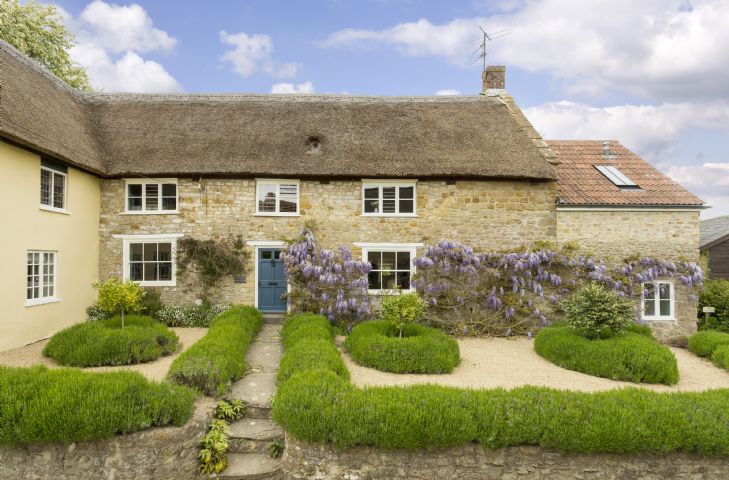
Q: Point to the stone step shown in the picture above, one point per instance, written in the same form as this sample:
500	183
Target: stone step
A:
264	357
251	466
273	318
256	390
252	435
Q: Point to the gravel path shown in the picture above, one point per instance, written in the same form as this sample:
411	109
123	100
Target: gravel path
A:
498	362
156	370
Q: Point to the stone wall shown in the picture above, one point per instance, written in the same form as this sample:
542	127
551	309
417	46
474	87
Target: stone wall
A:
473	462
488	214
619	234
167	453
615	235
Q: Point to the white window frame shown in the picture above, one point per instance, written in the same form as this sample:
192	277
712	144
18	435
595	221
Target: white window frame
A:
656	301
50	207
278	182
30	302
369	183
161	238
390	247
151	181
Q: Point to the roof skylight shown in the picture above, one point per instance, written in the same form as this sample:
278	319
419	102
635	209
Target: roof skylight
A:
616	176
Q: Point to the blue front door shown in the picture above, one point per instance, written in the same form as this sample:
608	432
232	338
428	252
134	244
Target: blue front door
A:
271	281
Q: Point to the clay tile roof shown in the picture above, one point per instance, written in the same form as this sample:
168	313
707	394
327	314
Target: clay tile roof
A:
714	229
267	135
579	183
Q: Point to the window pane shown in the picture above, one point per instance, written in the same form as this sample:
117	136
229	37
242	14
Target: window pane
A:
266	255
134	190
288	198
373	280
372	206
150	252
665	306
388	260
375	259
135	252
649	303
169	190
169	203
134	203
664	291
150	271
372	192
151	191
165	271
45	191
388	199
135	271
406	206
59	190
388	281
403	260
164	252
407	192
266	198
403	280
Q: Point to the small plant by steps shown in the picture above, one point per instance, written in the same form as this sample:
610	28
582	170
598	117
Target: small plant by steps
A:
212	455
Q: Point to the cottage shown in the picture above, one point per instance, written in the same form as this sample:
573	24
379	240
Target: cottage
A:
714	241
122	177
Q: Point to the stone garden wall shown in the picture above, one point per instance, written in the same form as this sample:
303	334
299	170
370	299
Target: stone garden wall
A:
167	453
473	462
485	214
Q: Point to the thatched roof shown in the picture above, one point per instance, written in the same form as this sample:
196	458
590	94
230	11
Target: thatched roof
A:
581	184
268	135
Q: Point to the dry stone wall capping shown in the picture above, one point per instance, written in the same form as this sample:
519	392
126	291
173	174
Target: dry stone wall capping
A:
473	462
166	453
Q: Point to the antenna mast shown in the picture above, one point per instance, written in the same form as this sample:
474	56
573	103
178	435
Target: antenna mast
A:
482	49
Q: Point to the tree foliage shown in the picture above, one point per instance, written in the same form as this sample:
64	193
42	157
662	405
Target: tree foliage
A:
37	31
116	296
403	309
596	312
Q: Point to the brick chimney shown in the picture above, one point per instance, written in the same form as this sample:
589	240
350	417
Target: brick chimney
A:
494	78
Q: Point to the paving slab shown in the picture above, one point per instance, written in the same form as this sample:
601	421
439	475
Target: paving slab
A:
251	466
256	429
264	357
255	389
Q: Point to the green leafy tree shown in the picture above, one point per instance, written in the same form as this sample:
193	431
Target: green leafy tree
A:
715	294
116	296
597	312
402	309
38	32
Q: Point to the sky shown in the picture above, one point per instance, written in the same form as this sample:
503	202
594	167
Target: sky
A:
652	74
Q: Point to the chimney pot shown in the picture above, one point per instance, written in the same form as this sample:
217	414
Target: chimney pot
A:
494	78
606	149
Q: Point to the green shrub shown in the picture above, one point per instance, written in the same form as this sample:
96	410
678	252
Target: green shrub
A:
628	356
705	342
311	354
190	316
39	405
317	406
596	312
421	349
720	357
104	342
402	309
122	297
305	325
217	359
714	294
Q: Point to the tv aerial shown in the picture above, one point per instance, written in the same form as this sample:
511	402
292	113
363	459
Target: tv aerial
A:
483	48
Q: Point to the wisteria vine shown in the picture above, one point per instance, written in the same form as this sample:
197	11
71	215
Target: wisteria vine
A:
325	281
499	294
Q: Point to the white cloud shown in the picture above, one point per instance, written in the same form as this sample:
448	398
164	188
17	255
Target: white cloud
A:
252	53
654	48
119	28
448	91
109	41
709	181
306	87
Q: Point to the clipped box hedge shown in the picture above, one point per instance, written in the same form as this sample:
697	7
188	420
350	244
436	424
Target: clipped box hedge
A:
628	356
376	344
39	405
105	342
704	343
218	359
317	404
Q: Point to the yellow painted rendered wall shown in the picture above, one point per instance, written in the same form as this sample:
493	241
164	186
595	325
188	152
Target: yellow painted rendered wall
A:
74	236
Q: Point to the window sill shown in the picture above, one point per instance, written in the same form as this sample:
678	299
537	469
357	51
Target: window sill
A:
55	210
41	301
274	214
389	292
165	283
390	215
658	319
145	212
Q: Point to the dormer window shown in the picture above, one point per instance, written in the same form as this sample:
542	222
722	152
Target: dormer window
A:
618	178
150	196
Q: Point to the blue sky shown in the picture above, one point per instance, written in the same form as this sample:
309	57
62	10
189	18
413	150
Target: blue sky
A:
653	74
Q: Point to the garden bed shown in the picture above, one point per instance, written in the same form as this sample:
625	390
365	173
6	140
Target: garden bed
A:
511	363
155	370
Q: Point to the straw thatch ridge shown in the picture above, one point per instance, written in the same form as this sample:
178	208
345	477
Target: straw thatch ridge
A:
265	135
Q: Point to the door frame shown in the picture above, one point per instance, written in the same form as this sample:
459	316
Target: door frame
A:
257	245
